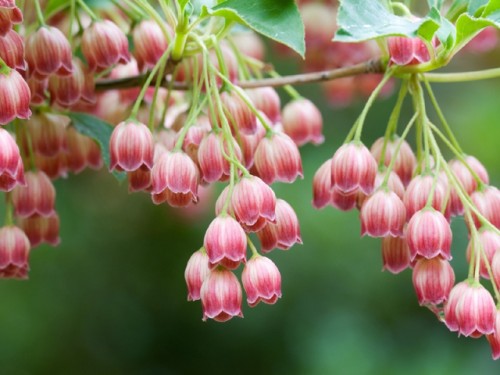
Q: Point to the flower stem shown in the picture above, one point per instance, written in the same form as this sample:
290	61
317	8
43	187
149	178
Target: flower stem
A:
462	76
39	13
87	10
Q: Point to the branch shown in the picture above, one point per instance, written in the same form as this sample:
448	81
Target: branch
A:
367	67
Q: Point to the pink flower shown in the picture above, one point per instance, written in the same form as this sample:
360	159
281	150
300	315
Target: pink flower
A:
238	115
11	164
131	147
475	312
383	214
407	51
395	254
405	159
432	280
266	100
48	52
196	272
12	50
429	235
450	307
48	134
174	180
221	296
225	242
261	281
15	97
303	122
487	202
284	232
41	229
494	338
277	158
418	191
14	253
322	185
104	45
253	201
9	14
149	43
36	198
213	165
488	242
353	169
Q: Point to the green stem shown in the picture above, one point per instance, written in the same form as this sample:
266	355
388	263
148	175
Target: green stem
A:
252	247
87	10
72	11
390	167
152	109
39	13
393	122
9	210
463	76
430	198
441	116
361	119
146	84
458	154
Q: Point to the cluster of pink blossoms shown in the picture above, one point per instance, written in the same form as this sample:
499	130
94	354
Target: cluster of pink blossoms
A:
409	203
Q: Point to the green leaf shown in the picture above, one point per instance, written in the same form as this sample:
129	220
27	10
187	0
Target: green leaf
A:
361	20
276	19
435	4
468	27
98	130
446	32
475	5
492	12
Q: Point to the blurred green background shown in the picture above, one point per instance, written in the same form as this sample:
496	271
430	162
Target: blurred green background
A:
111	299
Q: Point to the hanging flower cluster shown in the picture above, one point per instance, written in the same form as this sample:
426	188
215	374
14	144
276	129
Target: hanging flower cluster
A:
189	106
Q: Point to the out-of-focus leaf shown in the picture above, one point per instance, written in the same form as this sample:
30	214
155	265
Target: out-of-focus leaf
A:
361	20
276	19
98	130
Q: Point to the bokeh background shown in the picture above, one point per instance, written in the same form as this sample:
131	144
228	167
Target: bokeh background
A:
111	299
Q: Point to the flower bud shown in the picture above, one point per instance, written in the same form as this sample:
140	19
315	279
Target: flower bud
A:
266	100
395	254
488	242
394	184
48	134
249	44
12	50
284	232
353	169
14	253
196	272
213	164
429	235
494	338
53	166
252	200
36	198
405	159
174	180
67	90
432	280
225	242
261	281
239	116
15	97
383	214
131	147
322	185
407	51
48	52
303	122
476	312
487	202
466	180
418	191
277	158
344	201
9	14
250	142
41	229
450	306
11	164
104	45
221	296
149	43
